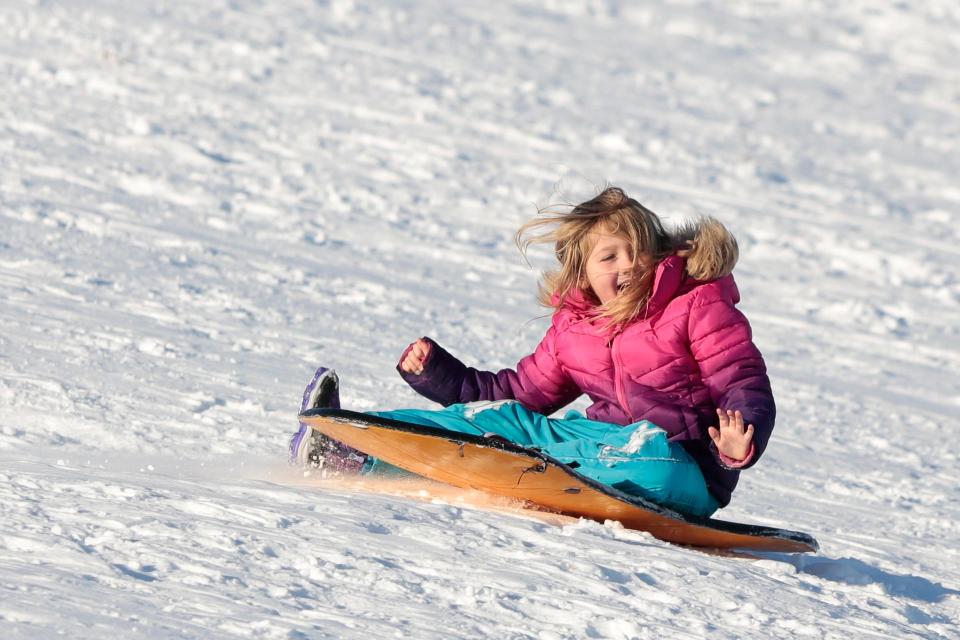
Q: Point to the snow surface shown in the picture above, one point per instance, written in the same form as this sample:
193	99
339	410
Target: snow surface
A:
202	200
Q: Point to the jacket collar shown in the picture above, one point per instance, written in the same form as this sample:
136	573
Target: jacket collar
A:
578	302
670	278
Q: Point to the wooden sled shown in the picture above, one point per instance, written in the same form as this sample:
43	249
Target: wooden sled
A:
505	469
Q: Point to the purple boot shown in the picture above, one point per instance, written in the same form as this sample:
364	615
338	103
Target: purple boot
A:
309	448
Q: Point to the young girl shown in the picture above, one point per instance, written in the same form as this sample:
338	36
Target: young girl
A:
645	324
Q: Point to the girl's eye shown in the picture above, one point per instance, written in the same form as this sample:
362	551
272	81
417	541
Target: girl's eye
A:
606	259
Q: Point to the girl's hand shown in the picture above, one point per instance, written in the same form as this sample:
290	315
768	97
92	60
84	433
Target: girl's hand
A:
731	438
416	355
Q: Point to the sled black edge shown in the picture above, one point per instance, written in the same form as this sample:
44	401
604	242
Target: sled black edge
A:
359	420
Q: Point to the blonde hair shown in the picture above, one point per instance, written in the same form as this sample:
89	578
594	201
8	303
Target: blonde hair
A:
570	232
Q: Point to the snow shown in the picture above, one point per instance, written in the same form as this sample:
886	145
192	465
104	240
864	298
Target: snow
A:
202	201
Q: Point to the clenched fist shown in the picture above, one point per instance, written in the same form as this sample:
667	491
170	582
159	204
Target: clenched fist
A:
416	355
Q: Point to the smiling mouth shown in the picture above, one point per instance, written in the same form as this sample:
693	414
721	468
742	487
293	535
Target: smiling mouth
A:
622	285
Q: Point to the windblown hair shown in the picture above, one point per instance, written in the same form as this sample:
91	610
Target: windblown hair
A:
611	211
710	250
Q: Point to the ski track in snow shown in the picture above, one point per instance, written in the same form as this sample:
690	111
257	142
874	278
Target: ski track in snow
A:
201	202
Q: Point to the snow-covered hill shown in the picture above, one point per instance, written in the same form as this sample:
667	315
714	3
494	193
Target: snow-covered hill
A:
200	201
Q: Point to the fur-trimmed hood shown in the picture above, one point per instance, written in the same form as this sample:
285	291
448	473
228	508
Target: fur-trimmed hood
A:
710	249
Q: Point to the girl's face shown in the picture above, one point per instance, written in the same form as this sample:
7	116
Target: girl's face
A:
609	266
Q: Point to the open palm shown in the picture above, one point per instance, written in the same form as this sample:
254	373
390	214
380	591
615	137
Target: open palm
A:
732	438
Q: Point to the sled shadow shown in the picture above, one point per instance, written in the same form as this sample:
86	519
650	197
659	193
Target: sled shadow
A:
856	572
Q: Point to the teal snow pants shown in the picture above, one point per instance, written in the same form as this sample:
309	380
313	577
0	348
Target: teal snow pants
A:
636	459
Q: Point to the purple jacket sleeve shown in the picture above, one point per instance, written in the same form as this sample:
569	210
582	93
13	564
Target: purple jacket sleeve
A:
539	382
733	370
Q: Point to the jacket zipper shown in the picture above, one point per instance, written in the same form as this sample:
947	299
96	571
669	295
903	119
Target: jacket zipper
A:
618	377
